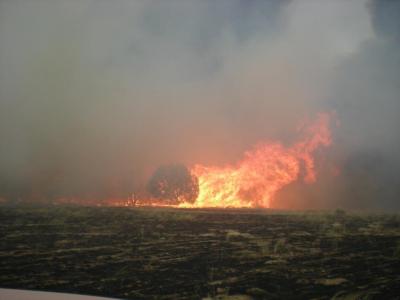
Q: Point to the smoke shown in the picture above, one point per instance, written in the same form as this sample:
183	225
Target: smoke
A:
95	95
366	95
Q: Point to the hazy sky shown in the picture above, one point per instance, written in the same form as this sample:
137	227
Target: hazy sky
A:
96	94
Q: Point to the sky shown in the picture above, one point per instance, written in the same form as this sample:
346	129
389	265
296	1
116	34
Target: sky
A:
96	94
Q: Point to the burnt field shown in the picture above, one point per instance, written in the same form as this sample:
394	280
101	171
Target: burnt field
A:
148	253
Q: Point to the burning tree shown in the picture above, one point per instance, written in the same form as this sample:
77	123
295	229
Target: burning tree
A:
174	184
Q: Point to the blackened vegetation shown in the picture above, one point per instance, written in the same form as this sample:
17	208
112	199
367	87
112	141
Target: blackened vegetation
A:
173	184
143	253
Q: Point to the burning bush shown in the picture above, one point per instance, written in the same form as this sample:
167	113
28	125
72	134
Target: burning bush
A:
174	184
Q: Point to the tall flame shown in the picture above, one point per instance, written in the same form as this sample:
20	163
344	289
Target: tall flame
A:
263	171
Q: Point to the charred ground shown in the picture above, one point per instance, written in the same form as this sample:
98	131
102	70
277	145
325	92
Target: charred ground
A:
148	253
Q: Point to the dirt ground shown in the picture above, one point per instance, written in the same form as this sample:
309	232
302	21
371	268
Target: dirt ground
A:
154	253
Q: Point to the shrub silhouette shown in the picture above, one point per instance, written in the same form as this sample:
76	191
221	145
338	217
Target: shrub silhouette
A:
173	184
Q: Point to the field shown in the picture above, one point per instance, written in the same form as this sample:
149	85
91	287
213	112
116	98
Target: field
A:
155	253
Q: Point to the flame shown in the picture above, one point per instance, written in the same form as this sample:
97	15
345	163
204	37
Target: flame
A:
263	171
254	180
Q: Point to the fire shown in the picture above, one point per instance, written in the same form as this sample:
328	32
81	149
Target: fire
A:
263	171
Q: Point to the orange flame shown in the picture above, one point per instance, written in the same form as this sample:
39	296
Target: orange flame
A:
263	171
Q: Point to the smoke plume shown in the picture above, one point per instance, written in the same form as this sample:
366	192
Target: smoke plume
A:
96	95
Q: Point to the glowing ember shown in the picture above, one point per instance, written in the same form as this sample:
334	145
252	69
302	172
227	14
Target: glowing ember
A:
263	171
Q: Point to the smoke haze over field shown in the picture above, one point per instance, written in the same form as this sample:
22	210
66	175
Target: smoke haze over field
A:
95	95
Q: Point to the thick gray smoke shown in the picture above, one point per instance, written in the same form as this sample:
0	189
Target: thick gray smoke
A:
95	95
366	94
